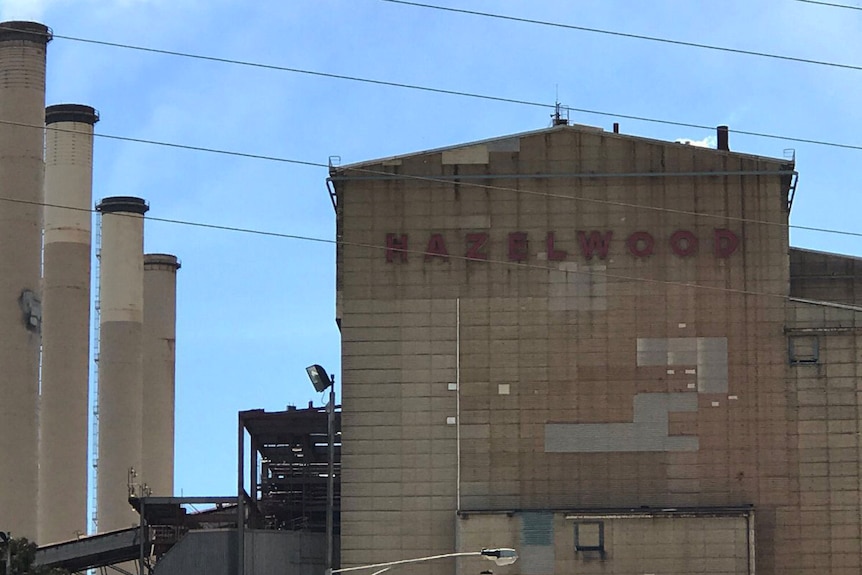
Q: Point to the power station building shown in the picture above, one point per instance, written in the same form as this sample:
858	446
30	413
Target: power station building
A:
598	349
46	167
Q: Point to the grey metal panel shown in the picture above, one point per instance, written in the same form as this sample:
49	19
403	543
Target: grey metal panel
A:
682	344
652	351
536	559
505	145
708	354
201	552
537	528
648	431
712	365
681	357
266	553
571	289
284	552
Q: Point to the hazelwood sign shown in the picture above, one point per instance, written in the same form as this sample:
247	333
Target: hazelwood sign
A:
640	244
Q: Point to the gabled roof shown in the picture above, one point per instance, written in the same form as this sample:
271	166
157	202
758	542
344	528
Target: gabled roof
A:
501	143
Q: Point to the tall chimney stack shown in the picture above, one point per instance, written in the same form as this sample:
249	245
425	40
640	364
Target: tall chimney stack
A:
160	333
723	138
121	301
22	116
63	402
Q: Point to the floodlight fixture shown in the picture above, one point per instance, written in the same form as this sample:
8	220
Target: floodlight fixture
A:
319	378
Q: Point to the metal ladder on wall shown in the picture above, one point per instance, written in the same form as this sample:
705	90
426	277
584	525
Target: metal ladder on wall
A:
94	449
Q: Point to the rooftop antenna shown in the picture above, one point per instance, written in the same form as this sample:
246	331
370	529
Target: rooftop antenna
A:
557	116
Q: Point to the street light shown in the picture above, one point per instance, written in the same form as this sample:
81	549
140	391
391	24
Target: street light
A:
321	380
502	556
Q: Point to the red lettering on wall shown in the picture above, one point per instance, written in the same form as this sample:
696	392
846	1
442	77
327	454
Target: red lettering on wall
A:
554	255
595	243
396	246
436	248
476	246
725	242
640	244
517	247
683	243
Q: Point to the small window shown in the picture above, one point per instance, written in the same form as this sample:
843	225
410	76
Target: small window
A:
803	349
590	536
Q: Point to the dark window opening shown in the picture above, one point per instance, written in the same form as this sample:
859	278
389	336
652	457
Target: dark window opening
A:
803	349
590	536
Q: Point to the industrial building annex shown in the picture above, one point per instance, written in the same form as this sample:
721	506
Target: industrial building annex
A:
598	349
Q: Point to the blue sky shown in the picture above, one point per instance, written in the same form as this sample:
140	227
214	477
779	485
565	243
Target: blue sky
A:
253	311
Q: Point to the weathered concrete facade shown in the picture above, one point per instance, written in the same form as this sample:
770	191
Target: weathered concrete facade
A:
65	391
23	47
571	321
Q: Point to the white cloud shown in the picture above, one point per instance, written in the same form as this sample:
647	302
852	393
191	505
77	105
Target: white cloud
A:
707	142
23	9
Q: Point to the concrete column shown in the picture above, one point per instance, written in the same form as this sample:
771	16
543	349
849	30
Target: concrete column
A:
22	117
121	300
63	402
160	333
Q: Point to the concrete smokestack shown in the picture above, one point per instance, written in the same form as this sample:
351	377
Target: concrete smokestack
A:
63	402
722	134
22	116
160	333
121	286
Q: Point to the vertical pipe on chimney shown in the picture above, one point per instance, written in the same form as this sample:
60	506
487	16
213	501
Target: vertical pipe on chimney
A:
22	117
160	332
64	396
722	137
121	301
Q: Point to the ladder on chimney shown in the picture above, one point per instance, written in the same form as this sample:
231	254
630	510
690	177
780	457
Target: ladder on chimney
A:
94	389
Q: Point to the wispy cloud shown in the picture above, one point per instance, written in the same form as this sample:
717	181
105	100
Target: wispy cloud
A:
23	9
707	142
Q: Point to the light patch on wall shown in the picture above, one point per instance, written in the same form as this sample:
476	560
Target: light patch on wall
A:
708	354
578	288
648	431
503	389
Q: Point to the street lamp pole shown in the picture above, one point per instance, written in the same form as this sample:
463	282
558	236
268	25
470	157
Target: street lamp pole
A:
500	556
321	380
330	475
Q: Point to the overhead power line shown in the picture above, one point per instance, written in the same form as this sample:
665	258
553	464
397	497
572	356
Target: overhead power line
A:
466	182
383	248
460	93
831	4
629	35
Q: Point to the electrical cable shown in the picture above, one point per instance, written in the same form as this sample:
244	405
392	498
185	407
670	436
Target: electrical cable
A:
431	179
383	248
831	4
628	35
459	93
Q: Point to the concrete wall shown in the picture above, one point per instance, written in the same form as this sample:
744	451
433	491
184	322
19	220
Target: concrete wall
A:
159	340
622	543
121	358
267	553
826	277
22	112
824	348
64	399
592	374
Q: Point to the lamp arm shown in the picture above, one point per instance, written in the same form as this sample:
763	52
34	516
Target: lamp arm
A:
389	564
